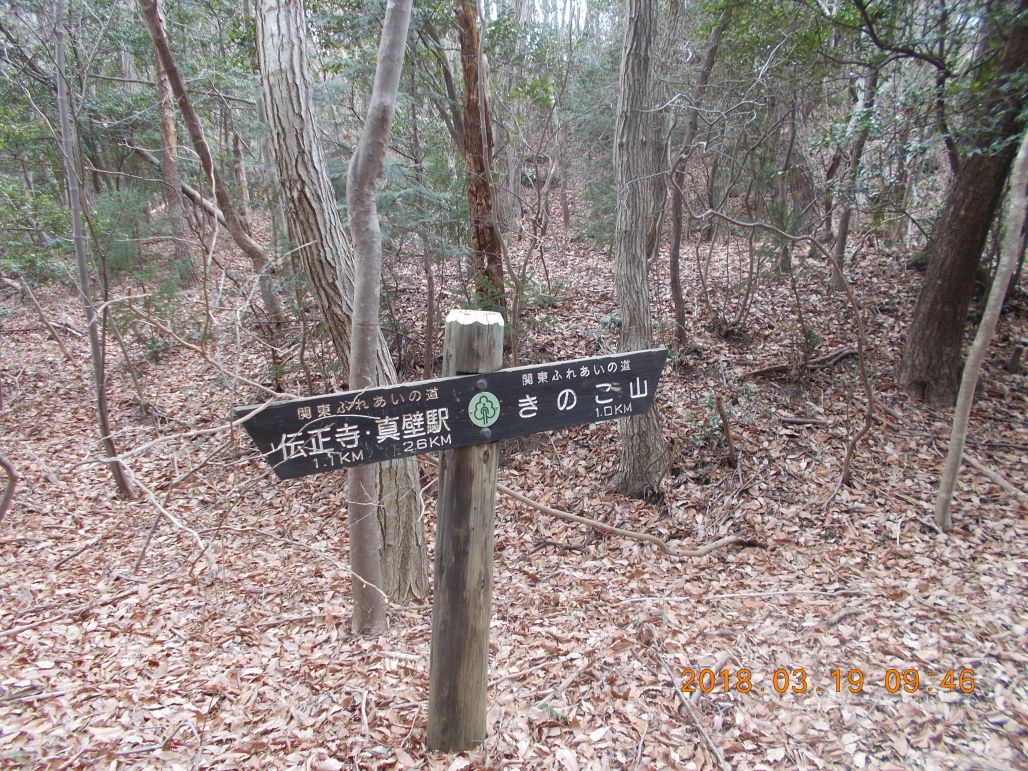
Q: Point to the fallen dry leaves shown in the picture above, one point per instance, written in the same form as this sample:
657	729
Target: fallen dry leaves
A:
245	660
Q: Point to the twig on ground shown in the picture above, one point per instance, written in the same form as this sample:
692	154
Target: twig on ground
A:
715	750
796	420
746	595
79	609
821	362
589	538
36	696
566	683
46	322
298	544
726	428
839	617
12	482
639	747
718	666
611	530
992	474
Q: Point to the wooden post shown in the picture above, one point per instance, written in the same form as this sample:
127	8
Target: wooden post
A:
459	667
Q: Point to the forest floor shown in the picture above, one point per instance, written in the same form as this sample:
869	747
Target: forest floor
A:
244	659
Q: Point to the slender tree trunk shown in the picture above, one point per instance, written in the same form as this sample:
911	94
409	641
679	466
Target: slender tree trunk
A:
242	182
272	302
429	332
366	167
677	177
172	178
1012	248
325	254
637	160
70	153
675	260
486	244
930	367
860	129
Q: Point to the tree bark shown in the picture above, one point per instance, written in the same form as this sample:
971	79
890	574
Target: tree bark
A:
486	243
638	145
265	271
677	178
1012	241
70	153
322	249
930	366
170	172
366	167
860	129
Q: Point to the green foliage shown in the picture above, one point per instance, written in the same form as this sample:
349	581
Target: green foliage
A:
34	230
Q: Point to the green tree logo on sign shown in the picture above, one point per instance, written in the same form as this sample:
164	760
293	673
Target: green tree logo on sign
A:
484	409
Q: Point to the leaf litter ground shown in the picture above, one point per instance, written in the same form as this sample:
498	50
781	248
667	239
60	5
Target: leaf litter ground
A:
242	658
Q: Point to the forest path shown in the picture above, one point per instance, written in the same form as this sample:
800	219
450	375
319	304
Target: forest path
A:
254	665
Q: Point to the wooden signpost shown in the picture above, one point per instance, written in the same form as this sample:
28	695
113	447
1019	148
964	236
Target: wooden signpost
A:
463	413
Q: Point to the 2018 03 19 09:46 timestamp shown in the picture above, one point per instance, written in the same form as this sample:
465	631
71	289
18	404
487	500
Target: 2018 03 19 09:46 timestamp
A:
798	680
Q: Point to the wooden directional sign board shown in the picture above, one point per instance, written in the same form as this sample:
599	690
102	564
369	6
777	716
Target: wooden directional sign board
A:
334	431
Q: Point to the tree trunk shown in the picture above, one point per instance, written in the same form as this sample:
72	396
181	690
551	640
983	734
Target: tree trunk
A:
70	153
637	162
242	182
272	302
366	167
428	332
486	243
677	177
325	254
1012	242
930	367
170	173
860	129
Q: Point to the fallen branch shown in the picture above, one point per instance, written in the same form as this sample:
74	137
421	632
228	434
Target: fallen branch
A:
715	750
720	664
733	458
566	682
42	317
795	420
821	362
79	609
839	617
611	530
22	699
992	474
579	547
12	482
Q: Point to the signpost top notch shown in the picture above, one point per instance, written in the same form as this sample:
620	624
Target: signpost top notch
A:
469	316
474	342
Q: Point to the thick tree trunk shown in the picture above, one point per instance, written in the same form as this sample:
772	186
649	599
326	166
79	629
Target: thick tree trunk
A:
486	243
637	161
70	152
324	252
259	260
930	367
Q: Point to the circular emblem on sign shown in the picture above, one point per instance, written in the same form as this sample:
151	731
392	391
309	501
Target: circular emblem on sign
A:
484	409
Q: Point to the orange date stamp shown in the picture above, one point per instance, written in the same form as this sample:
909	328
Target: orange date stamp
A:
800	681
